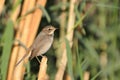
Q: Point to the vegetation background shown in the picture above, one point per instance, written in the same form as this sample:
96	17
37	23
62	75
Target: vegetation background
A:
86	46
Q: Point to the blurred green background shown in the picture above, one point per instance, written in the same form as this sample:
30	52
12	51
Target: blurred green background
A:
96	41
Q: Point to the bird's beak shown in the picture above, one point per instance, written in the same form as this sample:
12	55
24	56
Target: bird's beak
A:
56	28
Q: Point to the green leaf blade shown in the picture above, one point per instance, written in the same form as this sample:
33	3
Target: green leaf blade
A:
69	57
8	40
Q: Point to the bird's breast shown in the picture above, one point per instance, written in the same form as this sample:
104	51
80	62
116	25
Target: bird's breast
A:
45	45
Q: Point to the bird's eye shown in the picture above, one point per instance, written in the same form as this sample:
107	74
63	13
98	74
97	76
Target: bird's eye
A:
49	29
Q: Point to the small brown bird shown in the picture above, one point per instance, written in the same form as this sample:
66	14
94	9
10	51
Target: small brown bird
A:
41	44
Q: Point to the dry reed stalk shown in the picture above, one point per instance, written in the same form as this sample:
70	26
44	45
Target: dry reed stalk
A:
36	18
63	20
42	70
29	24
69	36
19	70
68	77
86	75
1	5
103	59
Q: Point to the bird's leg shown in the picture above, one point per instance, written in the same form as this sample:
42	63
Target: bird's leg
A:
41	56
38	59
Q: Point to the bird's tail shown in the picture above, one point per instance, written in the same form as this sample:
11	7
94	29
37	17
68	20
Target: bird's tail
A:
23	57
21	60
